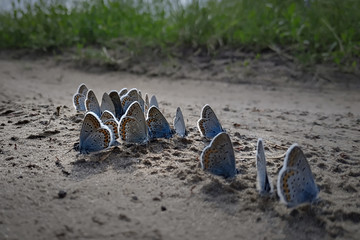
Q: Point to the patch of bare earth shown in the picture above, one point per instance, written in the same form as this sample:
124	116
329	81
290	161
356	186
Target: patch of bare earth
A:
158	191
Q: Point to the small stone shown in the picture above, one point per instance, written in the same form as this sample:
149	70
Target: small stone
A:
163	208
62	194
134	198
125	218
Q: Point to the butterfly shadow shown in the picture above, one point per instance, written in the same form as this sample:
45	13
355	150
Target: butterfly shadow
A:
223	192
88	165
306	221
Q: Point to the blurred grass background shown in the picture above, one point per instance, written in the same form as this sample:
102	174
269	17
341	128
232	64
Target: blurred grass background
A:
320	31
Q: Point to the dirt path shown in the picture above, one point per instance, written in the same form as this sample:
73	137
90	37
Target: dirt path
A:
159	191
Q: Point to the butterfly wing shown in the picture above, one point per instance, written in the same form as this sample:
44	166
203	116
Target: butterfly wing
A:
91	131
90	123
296	183
82	89
107	104
79	102
132	131
153	102
106	115
122	92
134	110
209	125
92	104
218	158
159	127
113	126
263	182
141	102
117	104
179	123
146	103
98	140
129	98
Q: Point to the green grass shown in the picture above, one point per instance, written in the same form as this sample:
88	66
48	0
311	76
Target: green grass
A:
328	30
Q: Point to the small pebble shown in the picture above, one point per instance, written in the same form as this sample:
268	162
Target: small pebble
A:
62	194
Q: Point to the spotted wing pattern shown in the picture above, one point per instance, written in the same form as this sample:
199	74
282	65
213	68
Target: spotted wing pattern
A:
106	115
79	102
129	98
92	104
79	98
94	136
109	120
218	158
122	92
132	126
296	183
82	89
208	124
159	127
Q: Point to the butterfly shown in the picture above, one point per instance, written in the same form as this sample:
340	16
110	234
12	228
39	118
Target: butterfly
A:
264	185
159	127
94	136
107	104
130	97
109	120
79	98
218	158
92	103
153	102
117	104
122	92
132	126
179	123
208	124
296	184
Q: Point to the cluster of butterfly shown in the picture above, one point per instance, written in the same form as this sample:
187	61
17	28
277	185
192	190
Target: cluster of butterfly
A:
121	115
295	183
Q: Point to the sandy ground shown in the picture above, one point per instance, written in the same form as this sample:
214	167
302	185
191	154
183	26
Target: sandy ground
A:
159	191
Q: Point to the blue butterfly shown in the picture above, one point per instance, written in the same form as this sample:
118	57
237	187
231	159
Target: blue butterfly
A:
264	185
131	96
132	126
115	98
208	124
92	103
159	127
79	98
179	124
296	184
218	158
109	120
94	136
